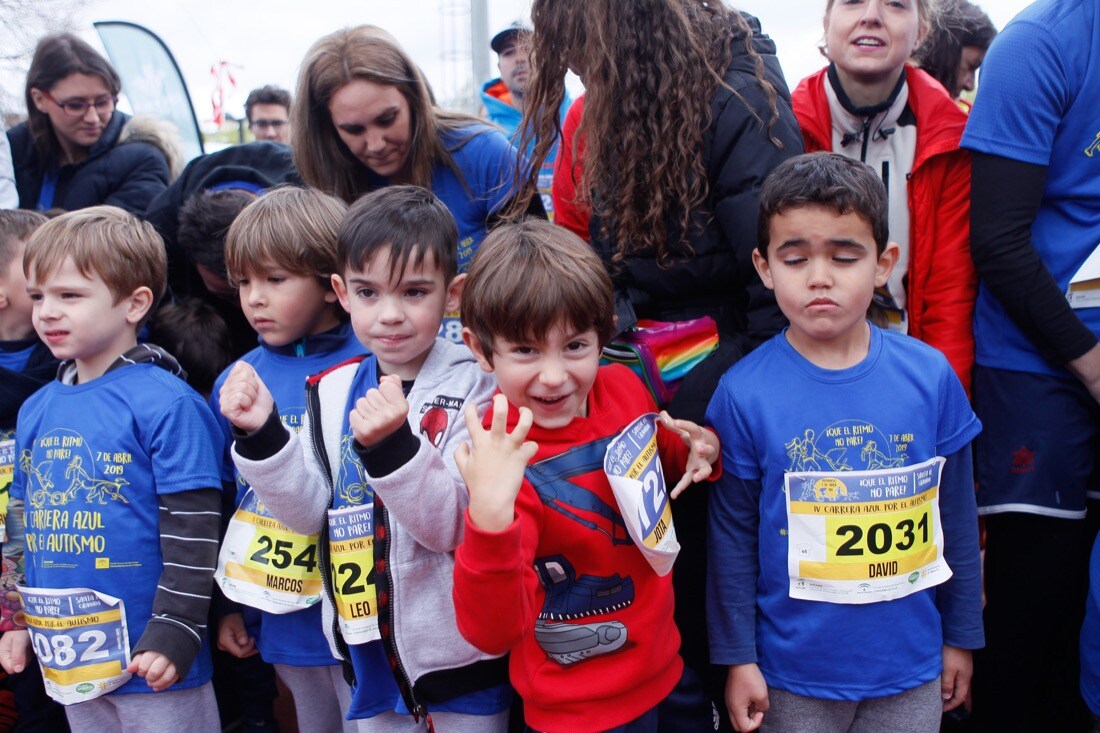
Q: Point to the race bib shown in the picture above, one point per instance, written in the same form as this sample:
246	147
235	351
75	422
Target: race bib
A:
633	468
351	552
865	536
79	637
7	472
264	565
451	327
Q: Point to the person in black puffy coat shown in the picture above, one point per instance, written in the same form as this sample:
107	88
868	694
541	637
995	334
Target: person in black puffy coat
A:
73	150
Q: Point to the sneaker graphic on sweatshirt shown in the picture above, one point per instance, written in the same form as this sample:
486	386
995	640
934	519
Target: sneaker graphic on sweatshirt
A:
568	598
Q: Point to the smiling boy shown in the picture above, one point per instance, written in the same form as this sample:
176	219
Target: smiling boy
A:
372	470
118	469
546	569
846	511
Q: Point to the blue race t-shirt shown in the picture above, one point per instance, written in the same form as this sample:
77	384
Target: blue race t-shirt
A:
296	639
1037	104
14	355
776	412
94	457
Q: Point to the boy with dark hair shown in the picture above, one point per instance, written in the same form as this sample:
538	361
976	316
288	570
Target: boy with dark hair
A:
281	253
844	585
372	471
547	570
118	466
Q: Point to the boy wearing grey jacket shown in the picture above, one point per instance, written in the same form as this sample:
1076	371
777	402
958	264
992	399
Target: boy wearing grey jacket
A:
372	469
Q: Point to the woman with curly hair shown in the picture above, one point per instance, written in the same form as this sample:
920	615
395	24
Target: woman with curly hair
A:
685	114
364	117
871	105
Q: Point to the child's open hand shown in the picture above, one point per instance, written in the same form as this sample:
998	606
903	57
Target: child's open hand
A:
245	399
233	637
158	670
379	413
492	464
15	648
704	448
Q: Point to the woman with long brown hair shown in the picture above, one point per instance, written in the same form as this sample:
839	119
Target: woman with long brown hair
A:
364	117
685	114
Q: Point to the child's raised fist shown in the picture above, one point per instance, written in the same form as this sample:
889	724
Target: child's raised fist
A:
244	398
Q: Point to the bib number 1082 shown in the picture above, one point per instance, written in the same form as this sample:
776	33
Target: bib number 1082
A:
881	538
60	650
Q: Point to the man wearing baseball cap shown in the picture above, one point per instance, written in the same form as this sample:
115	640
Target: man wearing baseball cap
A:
503	97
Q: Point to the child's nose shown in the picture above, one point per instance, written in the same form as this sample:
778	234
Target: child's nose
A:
552	373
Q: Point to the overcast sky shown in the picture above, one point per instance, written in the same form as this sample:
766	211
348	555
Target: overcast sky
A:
264	41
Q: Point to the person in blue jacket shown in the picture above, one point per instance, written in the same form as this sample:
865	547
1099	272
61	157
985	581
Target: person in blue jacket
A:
504	98
76	149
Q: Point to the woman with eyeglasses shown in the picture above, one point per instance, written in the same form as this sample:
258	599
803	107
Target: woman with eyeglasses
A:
76	150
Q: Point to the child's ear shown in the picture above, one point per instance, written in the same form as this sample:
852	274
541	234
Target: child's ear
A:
474	345
760	262
886	263
454	293
141	300
341	291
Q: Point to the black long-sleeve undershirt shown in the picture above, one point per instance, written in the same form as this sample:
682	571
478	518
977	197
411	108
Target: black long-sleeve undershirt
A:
1005	197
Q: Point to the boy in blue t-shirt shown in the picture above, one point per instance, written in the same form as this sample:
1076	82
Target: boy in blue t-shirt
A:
843	582
117	466
372	469
281	253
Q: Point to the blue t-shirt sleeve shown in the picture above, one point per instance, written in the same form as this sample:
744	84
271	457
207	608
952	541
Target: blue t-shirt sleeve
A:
732	541
494	180
1024	93
959	599
186	447
739	454
225	435
958	425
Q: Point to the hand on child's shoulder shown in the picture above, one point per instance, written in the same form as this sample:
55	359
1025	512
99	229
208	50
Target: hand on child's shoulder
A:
703	449
380	412
244	398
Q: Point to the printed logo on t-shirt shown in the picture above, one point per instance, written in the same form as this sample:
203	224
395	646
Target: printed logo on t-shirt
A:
847	445
437	416
72	491
1094	147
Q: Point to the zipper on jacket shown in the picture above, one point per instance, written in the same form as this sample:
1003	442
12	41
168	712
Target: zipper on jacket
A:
866	139
404	682
313	405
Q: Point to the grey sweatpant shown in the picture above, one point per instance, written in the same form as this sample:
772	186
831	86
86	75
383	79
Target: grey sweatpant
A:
194	710
321	698
913	711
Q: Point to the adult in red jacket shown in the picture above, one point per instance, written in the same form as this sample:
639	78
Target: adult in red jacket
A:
870	105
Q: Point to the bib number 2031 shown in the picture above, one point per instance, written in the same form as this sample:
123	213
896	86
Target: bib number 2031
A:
880	538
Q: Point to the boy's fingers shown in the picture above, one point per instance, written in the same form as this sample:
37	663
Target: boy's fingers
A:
462	455
473	422
390	388
684	482
528	450
523	425
500	415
